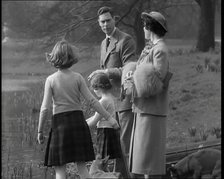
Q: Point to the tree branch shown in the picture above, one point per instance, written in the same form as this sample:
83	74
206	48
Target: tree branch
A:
75	25
199	2
84	34
128	25
74	9
68	28
175	5
128	3
129	10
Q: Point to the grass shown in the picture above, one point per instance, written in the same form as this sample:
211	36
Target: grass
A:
216	131
195	97
23	107
194	105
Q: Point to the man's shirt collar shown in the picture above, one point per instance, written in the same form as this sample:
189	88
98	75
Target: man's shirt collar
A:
108	36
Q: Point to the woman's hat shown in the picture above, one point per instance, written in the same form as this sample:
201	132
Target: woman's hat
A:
156	16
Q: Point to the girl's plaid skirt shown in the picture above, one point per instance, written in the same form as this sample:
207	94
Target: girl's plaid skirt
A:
108	143
69	140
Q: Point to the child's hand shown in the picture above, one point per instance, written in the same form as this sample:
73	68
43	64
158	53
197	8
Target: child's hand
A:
114	123
128	83
40	138
128	76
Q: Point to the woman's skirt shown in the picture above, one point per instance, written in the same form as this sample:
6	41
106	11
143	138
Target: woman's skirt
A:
148	145
108	143
69	140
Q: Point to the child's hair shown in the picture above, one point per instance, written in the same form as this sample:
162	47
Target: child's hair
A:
62	55
101	80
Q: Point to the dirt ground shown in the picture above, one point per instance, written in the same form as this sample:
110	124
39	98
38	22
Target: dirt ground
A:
195	95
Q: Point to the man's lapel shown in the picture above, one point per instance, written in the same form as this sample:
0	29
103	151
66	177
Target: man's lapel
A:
112	45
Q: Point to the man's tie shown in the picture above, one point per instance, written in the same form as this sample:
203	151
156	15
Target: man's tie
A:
107	43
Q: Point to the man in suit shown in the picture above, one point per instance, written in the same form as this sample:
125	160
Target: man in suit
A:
118	49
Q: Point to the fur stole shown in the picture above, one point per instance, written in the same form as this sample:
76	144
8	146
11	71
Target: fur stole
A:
146	80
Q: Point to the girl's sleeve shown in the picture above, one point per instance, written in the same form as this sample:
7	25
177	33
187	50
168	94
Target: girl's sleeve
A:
97	117
47	100
84	90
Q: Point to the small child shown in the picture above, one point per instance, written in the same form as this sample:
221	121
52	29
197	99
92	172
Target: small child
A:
108	142
69	139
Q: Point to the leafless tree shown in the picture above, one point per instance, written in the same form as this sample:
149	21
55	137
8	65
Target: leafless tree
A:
206	36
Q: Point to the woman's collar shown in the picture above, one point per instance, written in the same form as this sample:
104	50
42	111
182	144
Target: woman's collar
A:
156	41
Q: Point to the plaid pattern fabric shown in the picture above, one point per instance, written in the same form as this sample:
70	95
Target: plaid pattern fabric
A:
108	143
69	140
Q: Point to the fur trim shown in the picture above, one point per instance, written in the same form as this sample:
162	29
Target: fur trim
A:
147	82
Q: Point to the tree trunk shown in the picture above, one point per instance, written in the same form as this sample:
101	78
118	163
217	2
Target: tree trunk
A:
206	36
139	33
138	26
